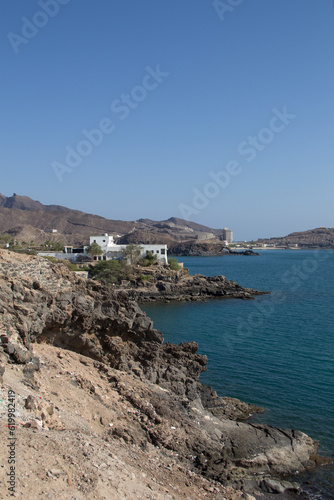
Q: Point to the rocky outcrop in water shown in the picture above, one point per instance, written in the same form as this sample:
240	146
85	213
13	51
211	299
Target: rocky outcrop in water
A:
43	302
205	249
197	248
165	285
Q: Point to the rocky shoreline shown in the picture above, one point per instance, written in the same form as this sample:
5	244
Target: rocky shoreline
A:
167	407
205	248
161	284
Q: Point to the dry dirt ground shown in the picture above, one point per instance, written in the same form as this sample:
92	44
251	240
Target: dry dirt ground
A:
66	446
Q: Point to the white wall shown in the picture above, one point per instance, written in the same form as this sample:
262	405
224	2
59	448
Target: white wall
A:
159	250
112	250
60	255
105	241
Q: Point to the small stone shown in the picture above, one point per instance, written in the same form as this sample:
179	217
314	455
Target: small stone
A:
273	486
56	472
20	355
30	403
36	424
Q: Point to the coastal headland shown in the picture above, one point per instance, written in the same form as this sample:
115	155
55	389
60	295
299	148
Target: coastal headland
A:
106	409
161	284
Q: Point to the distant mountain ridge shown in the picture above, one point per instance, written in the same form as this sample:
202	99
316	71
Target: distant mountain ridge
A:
320	237
26	203
27	220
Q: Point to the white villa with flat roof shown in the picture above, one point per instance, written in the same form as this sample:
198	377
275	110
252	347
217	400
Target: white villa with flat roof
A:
113	251
109	248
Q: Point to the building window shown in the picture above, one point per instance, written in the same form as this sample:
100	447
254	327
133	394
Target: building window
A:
157	251
163	252
94	241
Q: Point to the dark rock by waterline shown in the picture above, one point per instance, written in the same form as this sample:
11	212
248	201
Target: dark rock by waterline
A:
205	249
164	285
242	252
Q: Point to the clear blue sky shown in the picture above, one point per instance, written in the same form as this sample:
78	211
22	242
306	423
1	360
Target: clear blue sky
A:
199	84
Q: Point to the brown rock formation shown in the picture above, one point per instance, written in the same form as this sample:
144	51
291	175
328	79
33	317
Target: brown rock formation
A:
163	284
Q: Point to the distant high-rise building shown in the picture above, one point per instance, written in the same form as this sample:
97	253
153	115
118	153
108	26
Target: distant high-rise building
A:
228	235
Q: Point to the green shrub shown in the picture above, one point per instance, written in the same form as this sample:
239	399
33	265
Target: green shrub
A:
24	250
51	259
145	277
57	246
5	238
94	249
173	264
149	259
72	267
111	271
132	253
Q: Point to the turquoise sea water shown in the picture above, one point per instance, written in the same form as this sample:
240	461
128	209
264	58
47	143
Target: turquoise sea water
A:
276	351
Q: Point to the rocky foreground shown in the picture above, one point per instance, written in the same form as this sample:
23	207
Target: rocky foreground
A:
105	409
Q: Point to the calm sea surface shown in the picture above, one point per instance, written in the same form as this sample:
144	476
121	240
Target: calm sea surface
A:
276	351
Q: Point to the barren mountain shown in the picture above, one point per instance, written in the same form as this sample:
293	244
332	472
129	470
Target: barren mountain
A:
75	227
321	237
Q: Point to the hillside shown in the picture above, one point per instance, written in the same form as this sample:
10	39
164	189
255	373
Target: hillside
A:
26	220
76	453
321	237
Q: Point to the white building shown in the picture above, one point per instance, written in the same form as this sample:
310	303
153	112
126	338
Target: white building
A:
113	251
228	235
105	241
110	250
